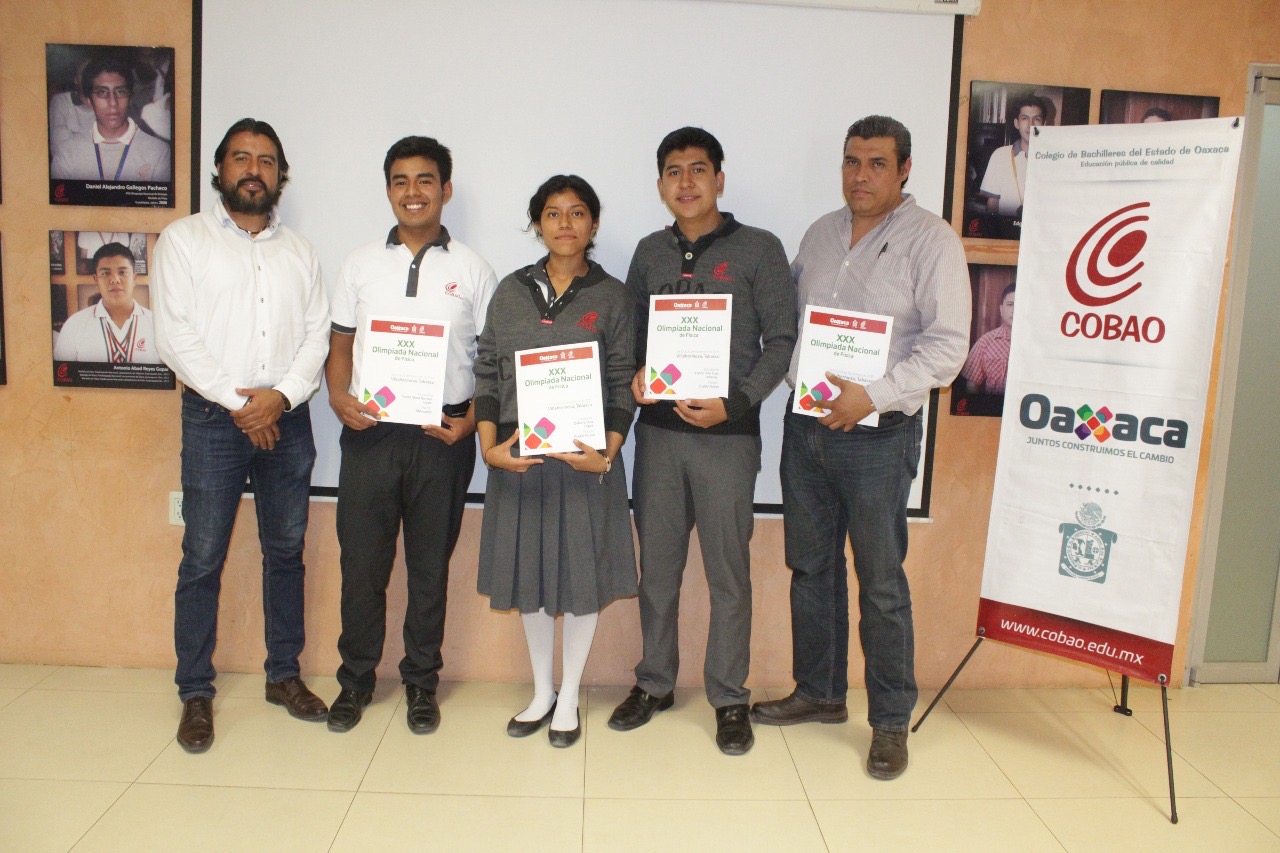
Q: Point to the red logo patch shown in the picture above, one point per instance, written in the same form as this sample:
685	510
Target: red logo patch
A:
451	289
588	321
63	374
141	345
60	193
1100	263
721	272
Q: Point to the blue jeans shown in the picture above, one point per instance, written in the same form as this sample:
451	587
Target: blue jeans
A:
216	460
855	484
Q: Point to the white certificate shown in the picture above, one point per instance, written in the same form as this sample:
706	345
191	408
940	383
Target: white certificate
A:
402	369
687	355
558	399
848	344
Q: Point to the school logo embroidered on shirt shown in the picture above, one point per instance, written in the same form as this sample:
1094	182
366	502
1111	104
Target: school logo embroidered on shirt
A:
721	272
451	289
588	321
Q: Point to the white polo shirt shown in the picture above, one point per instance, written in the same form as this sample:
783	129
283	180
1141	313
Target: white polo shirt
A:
447	281
90	335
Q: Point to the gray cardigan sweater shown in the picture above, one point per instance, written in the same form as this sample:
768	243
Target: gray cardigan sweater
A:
595	307
747	262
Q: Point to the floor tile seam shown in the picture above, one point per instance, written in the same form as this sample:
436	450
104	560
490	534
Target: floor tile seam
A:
982	746
337	831
1173	731
808	800
382	740
101	815
1257	819
472	795
234	787
1043	822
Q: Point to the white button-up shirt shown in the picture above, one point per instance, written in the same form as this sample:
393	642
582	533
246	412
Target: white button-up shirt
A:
236	311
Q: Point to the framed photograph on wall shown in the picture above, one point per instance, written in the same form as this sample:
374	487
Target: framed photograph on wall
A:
1118	107
1002	122
110	125
4	372
979	389
103	331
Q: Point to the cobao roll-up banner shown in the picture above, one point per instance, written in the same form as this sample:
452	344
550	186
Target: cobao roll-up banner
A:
1119	277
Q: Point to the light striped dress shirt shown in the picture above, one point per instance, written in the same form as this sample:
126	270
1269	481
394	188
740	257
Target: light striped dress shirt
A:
910	267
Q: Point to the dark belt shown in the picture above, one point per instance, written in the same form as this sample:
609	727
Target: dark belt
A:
457	410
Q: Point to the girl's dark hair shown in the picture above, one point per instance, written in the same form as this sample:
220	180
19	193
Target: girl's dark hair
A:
565	183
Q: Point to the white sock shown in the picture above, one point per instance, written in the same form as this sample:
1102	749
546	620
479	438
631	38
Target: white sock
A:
540	635
579	631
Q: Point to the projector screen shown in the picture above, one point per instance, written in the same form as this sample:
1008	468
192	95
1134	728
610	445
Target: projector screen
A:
524	89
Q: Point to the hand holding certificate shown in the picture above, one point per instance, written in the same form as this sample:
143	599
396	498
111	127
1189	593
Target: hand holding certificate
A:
558	399
402	370
852	346
687	356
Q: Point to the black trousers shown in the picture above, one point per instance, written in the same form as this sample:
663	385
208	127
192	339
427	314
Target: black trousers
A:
394	474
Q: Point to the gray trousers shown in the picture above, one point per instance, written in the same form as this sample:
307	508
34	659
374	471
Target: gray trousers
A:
683	479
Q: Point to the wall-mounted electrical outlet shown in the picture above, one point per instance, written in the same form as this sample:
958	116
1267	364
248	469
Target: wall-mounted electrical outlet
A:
175	509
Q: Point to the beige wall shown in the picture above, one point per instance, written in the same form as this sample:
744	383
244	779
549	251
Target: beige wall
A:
87	559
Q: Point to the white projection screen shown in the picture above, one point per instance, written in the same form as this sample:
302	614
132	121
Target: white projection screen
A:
524	89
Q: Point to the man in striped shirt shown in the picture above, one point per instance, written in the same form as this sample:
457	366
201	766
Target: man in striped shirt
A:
879	254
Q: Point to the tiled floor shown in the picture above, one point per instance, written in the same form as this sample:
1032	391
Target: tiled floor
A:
88	762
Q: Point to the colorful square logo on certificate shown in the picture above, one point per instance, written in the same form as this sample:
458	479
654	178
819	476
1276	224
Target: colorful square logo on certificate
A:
661	382
811	399
535	437
377	403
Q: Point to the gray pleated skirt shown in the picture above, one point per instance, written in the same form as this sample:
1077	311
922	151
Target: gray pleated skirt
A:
556	538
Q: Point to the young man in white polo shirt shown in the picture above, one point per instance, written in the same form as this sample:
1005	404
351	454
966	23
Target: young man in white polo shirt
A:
394	474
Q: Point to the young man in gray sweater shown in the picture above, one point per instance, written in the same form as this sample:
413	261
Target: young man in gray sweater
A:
696	460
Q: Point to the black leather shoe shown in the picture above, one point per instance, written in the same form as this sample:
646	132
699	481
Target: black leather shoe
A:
733	730
888	756
297	699
638	708
348	708
195	731
524	728
565	739
423	713
796	709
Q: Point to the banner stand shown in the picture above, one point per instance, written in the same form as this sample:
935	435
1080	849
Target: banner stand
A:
1122	708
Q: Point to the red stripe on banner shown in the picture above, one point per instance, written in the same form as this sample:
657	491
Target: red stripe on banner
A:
1127	654
420	329
690	304
843	321
566	354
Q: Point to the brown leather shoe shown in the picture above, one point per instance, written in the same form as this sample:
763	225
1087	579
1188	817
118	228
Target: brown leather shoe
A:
195	731
796	709
297	699
888	756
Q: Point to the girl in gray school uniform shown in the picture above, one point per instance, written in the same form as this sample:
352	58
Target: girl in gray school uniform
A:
556	536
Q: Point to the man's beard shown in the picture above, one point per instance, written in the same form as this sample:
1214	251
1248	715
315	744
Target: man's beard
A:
262	203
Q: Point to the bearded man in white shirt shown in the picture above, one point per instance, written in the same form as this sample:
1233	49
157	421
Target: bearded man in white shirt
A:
243	320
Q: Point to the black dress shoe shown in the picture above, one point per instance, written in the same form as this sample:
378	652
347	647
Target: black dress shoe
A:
423	713
348	708
524	728
563	740
796	709
195	731
297	699
638	708
733	730
888	756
